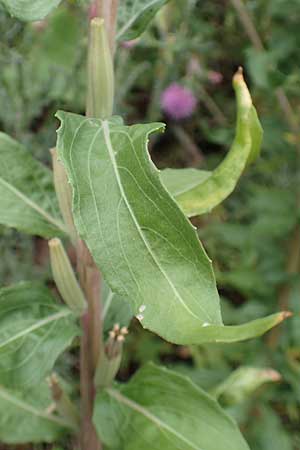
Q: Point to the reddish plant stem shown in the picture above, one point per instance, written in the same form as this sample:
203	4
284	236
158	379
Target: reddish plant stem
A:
107	9
90	280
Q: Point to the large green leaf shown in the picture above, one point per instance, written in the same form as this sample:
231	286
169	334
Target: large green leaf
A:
198	192
24	416
30	9
34	331
134	16
160	409
27	197
147	250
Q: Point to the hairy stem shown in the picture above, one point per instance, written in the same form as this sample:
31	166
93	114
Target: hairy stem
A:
99	104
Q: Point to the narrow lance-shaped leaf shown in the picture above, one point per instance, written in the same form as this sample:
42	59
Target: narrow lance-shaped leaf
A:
243	382
146	248
27	196
163	410
198	192
24	416
30	9
34	331
135	15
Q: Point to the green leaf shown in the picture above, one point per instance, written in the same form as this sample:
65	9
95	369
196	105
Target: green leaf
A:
24	416
179	181
115	309
147	250
243	382
270	432
163	410
199	194
135	15
34	331
27	197
30	9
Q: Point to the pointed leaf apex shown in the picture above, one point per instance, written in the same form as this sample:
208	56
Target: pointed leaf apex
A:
239	75
284	315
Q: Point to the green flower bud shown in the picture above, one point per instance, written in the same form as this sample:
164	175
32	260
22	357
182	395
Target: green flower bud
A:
100	93
65	279
64	194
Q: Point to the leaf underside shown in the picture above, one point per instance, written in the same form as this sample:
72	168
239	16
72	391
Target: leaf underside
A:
30	9
27	197
135	15
159	409
24	417
147	250
34	331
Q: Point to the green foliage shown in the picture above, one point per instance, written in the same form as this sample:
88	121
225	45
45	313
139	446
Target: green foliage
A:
24	416
242	383
28	201
34	332
134	16
121	233
43	68
212	188
161	409
30	9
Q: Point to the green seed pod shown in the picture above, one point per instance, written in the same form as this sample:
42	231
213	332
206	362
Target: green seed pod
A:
65	279
64	194
100	93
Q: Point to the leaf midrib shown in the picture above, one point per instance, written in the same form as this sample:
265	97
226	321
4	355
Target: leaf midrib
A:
134	17
37	325
154	419
4	394
33	205
106	134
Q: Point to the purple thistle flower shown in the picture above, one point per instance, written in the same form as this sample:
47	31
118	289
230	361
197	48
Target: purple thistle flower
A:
178	102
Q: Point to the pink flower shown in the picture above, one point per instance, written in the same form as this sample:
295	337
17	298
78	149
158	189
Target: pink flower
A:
215	77
178	102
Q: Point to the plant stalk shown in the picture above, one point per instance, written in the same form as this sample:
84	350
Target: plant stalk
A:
91	322
99	105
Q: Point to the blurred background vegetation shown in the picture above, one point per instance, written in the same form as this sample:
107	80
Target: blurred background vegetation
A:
253	238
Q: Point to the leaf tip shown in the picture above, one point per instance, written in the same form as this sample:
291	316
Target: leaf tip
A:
239	76
284	315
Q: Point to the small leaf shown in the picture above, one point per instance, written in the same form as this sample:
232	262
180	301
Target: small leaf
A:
27	196
161	409
30	10
147	250
201	196
135	15
243	382
24	416
34	331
